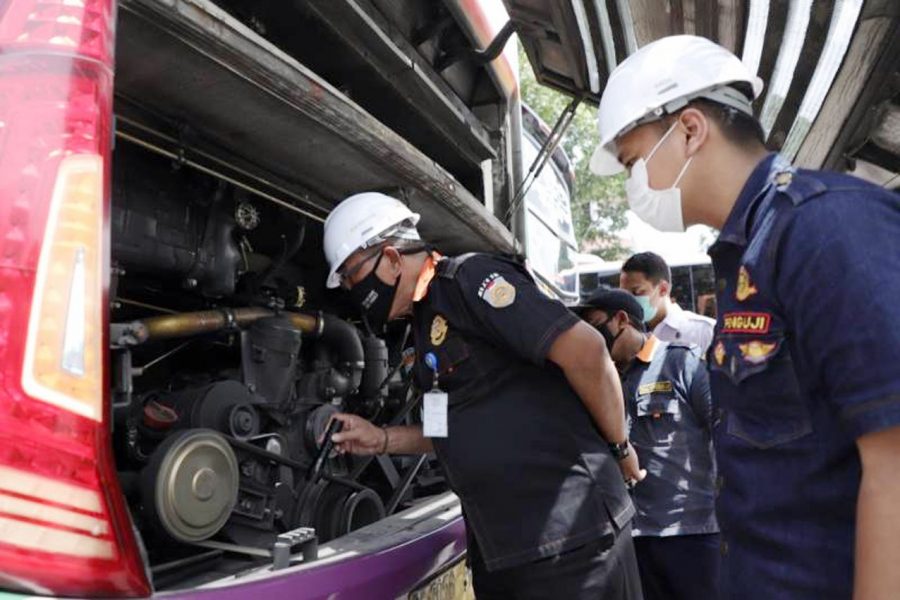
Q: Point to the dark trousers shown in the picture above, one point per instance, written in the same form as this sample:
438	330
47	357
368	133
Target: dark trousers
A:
601	570
681	567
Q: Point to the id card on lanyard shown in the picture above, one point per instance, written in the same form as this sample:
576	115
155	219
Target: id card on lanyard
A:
435	405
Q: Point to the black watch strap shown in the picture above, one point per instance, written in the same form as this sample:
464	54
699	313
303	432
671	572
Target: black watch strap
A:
620	451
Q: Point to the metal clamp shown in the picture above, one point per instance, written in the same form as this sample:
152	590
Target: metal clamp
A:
304	538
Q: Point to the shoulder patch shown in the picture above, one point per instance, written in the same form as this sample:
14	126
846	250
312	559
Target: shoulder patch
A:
497	291
746	322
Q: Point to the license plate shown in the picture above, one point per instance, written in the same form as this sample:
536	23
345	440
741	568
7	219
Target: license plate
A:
454	583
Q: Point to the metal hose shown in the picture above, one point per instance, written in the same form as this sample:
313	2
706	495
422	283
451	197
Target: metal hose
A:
166	327
336	333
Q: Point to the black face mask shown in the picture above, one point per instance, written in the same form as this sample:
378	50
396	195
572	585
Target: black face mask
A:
375	297
607	336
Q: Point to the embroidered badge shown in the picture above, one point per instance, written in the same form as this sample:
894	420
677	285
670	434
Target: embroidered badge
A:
438	330
719	354
496	291
655	387
745	288
757	352
746	322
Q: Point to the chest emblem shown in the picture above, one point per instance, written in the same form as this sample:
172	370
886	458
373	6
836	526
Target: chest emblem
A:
719	354
746	322
655	387
745	287
496	291
756	352
438	330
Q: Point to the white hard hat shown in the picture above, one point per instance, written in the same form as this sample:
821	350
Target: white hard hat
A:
361	221
661	78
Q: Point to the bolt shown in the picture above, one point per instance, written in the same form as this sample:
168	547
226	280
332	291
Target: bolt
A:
273	446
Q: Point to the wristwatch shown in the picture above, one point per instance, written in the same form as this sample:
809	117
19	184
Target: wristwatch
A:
620	451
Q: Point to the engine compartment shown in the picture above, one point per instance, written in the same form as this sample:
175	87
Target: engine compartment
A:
226	370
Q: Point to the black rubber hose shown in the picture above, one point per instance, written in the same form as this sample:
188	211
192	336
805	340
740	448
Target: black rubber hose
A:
287	253
344	339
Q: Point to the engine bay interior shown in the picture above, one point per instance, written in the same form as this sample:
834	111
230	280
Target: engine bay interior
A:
226	372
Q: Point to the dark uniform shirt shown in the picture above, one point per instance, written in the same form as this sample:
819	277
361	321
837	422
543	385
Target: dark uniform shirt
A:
534	476
805	361
669	411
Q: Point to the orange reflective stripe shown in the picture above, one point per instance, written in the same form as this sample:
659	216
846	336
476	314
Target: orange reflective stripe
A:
648	349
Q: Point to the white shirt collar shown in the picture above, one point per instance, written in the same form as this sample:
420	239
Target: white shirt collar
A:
674	317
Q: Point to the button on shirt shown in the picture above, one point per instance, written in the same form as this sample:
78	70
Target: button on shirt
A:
533	473
685	326
670	417
804	362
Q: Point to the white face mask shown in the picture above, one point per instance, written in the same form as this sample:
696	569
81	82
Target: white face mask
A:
659	208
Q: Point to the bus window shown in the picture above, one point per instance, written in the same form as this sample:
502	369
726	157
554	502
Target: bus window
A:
704	290
588	283
549	234
549	255
682	290
610	280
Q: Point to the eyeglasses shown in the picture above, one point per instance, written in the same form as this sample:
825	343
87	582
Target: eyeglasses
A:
347	276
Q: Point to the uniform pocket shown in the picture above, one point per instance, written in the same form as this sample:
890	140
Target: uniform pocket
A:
765	406
657	418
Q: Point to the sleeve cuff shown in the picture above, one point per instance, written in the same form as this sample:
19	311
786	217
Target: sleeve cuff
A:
560	326
872	415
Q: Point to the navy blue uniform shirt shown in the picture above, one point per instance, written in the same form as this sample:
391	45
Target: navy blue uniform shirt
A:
532	471
806	359
670	415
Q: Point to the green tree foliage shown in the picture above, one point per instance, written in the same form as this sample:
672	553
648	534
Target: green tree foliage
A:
598	205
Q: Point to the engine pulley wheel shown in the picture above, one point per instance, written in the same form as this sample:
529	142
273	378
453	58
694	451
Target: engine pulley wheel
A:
193	484
335	510
360	509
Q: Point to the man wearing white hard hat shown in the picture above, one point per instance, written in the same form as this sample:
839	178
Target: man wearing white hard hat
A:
804	363
522	406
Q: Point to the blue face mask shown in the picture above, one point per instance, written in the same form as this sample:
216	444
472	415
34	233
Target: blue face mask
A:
649	309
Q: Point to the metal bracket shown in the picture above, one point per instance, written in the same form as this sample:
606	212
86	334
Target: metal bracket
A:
304	538
481	57
544	154
286	544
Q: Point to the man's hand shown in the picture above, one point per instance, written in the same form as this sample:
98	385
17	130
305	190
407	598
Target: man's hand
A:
362	438
582	355
358	436
631	469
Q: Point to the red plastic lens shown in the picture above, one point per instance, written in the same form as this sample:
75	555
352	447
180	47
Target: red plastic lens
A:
64	525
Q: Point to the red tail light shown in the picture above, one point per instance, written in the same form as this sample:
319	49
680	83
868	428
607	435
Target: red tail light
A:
64	525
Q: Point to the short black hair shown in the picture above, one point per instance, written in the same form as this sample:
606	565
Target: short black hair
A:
737	126
653	266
